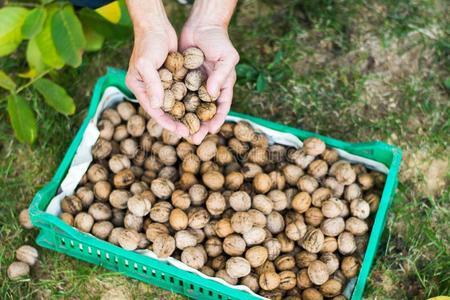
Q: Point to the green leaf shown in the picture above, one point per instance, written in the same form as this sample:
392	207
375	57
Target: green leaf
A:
22	119
103	26
6	82
277	60
68	36
34	57
55	96
94	40
11	20
261	83
45	42
34	22
447	83
246	71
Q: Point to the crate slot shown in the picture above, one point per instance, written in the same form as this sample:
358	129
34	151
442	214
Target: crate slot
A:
200	290
126	263
89	250
181	283
63	242
153	273
210	293
144	270
72	244
99	253
171	279
135	266
81	247
107	256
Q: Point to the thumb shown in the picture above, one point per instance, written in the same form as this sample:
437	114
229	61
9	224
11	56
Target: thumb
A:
221	72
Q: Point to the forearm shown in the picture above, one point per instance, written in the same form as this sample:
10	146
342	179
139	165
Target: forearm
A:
147	14
212	12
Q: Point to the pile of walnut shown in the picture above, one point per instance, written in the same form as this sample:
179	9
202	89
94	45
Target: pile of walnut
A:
284	222
185	94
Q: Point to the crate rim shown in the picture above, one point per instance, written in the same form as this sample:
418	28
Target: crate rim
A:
116	77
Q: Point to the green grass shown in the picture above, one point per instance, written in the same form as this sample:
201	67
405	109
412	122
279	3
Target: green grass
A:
354	70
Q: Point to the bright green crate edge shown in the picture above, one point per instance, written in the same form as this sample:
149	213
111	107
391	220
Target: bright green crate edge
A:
53	229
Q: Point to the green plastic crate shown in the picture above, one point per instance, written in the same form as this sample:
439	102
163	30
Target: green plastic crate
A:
58	236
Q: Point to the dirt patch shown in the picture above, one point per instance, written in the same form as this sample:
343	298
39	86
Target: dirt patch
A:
117	293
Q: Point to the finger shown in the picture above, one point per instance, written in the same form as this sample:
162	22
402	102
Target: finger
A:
223	105
136	87
222	70
152	84
198	137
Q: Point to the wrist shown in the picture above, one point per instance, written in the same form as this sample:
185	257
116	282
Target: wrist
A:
147	15
211	13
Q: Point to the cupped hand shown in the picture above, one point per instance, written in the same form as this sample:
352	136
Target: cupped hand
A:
220	61
150	50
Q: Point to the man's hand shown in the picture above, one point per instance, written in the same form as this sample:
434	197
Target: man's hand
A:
207	30
154	38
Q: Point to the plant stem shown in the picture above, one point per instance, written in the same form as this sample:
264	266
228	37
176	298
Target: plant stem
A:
32	81
24	4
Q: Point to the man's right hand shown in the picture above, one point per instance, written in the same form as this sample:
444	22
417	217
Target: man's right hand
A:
154	38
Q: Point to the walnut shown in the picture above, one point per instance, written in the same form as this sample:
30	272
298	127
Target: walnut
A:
180	199
223	228
71	204
237	267
303	281
207	150
206	111
259	219
333	226
102	229
330	156
366	181
123	178
207	271
106	128
350	266
114	235
191	102
288	280
112	115
329	244
18	269
129	147
269	281
215	204
292	173
67	218
118	216
304	258
360	209
160	212
318	168
307	184
156	229
174	61
129	239
251	281
126	110
241	222
136	125
234	245
238	147
198	194
262	183
352	191
166	78
256	256
214	180
268	266
131	221
224	156
198	217
184	149
331	208
167	155
311	294
240	201
301	202
194	80
27	254
119	162
331	261
331	288
163	245
313	240
343	172
204	95
287	245
222	274
178	110
168	101
193	58
194	257
213	247
234	180
187	180
120	133
296	230
278	180
83	221
254	236
263	204
139	206
313	216
102	189
337	189
356	226
346	243
373	200
154	129
258	155
313	146
279	199
243	131
138	187
275	222
318	272
24	219
285	262
162	188
250	170
101	149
